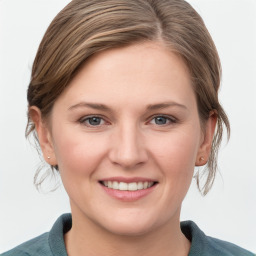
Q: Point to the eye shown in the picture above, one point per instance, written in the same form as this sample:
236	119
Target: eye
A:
162	120
93	121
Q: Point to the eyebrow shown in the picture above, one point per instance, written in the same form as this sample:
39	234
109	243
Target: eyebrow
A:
165	105
90	105
106	108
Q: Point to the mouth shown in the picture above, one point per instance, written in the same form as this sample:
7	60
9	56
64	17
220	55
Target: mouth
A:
131	186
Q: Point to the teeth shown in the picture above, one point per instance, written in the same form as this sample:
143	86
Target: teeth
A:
115	185
133	186
140	185
123	186
110	184
145	185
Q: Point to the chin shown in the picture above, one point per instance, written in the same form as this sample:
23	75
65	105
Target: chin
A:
130	225
130	229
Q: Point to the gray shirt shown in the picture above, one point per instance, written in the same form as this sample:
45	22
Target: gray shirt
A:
52	243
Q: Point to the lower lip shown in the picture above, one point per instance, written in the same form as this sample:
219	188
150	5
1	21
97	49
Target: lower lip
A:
124	195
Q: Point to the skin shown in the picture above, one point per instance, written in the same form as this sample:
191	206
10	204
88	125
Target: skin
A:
128	141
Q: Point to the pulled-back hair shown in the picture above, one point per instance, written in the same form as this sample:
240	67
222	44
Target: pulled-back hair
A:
84	28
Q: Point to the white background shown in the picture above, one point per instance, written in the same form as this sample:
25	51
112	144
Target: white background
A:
227	212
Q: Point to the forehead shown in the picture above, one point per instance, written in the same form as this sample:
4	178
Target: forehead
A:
137	73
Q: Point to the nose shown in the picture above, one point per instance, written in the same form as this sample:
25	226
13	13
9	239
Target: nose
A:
128	148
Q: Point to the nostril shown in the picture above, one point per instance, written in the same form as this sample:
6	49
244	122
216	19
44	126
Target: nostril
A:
128	158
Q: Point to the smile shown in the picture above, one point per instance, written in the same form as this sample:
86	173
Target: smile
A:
132	186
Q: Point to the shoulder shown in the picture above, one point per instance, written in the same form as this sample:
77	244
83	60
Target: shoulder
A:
226	248
50	243
37	246
209	246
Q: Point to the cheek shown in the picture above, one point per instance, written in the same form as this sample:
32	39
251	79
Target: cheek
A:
176	154
78	153
178	145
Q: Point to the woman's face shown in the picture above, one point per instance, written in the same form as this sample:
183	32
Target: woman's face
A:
126	136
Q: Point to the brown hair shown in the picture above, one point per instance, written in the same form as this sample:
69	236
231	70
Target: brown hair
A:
84	28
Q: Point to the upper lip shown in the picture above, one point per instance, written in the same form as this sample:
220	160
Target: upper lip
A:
128	179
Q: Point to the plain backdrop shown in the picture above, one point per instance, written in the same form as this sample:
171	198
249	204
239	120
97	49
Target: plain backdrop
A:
227	212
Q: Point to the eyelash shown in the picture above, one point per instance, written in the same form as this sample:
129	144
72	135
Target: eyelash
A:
83	120
169	119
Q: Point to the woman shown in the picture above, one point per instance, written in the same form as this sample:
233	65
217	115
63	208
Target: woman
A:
123	100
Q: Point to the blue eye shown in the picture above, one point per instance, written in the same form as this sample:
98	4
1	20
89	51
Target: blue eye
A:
92	121
162	120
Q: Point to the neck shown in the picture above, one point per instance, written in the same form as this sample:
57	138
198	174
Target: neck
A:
87	238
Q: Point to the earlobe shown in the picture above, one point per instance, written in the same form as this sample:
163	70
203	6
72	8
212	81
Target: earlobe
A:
207	139
44	135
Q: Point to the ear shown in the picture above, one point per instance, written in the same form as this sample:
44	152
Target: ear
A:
206	141
44	136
